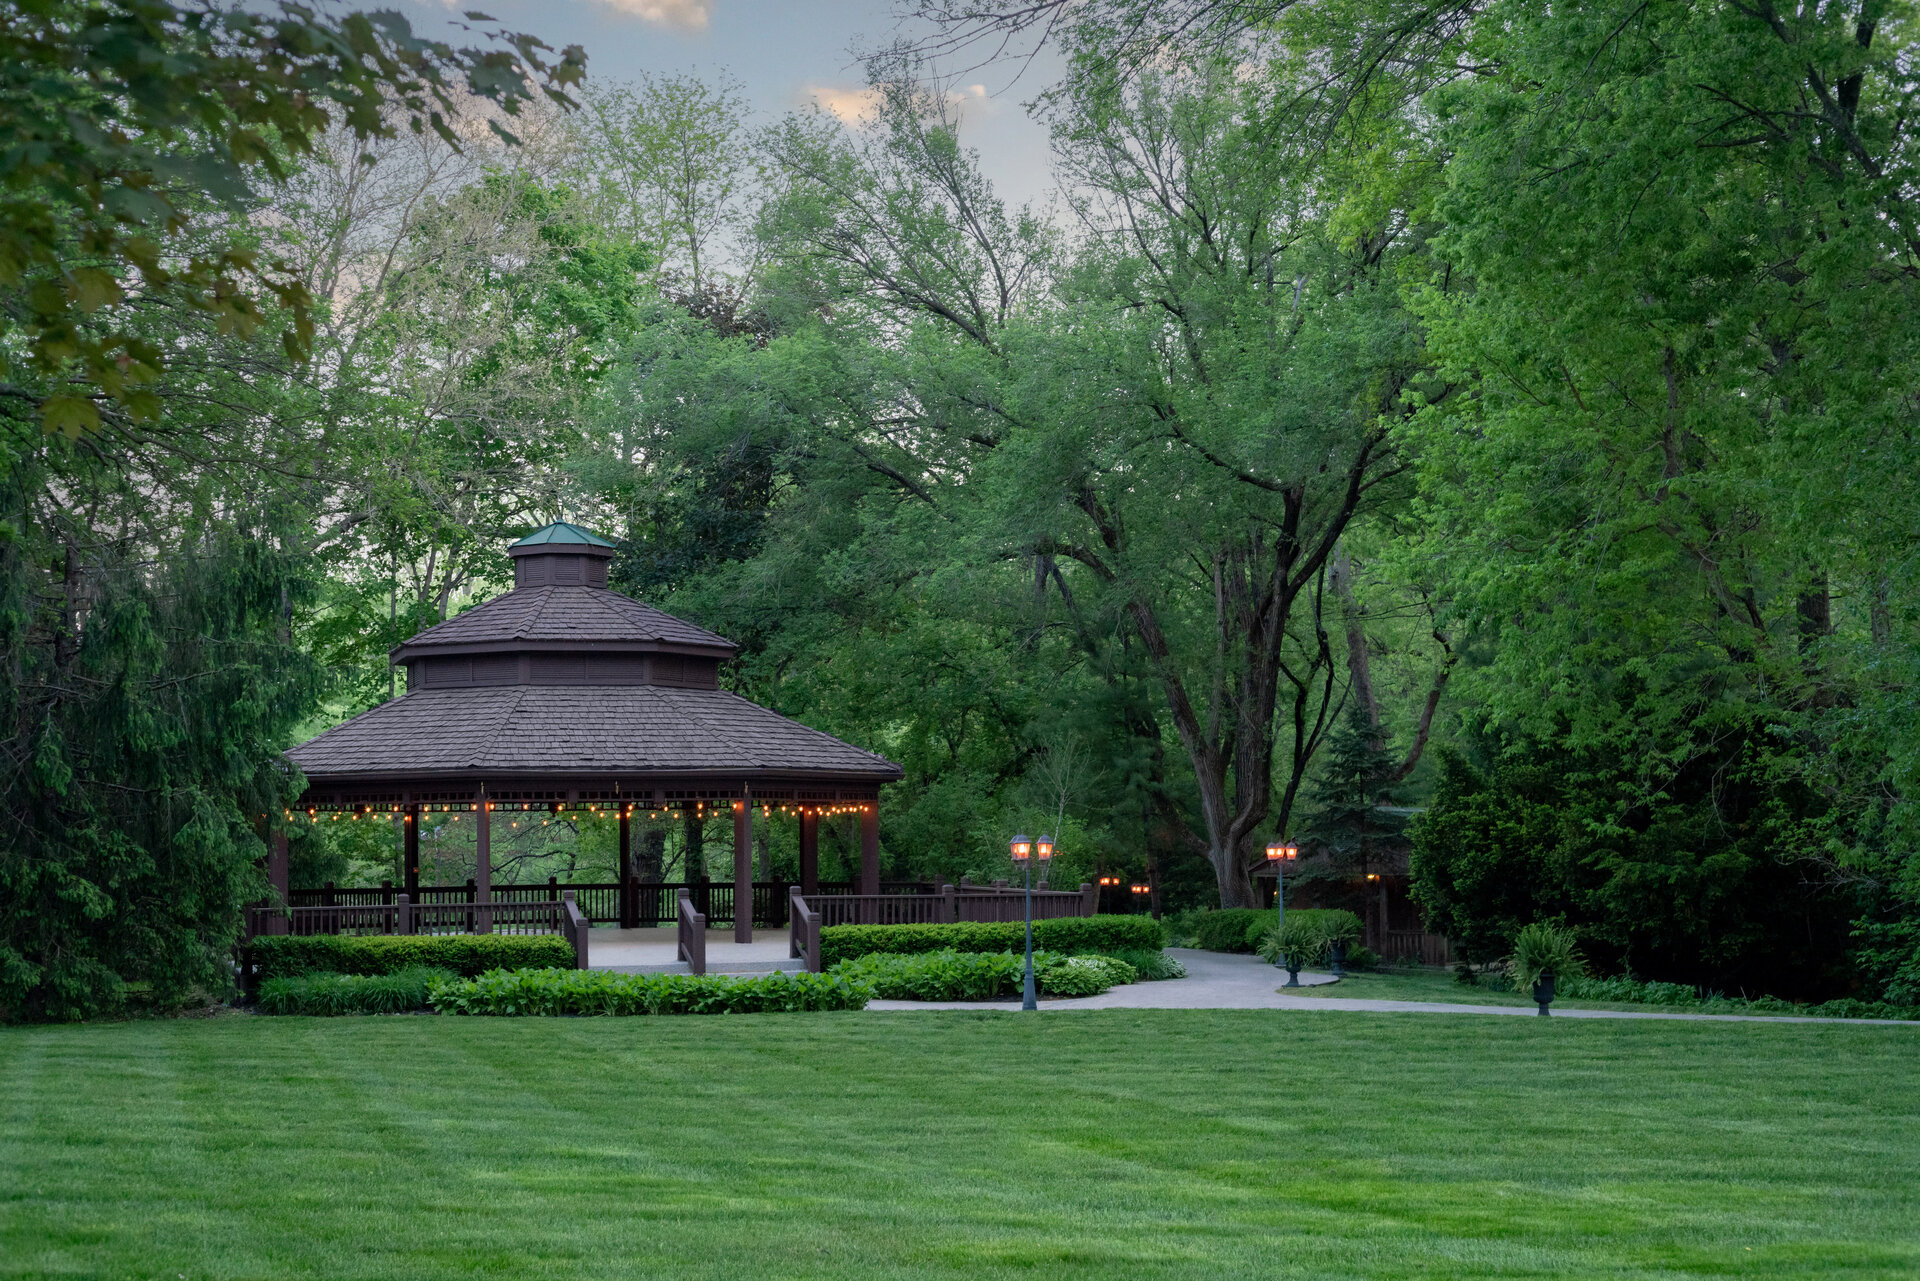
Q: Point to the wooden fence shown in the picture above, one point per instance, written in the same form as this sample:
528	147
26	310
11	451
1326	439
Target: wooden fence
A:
655	903
402	916
951	904
1416	945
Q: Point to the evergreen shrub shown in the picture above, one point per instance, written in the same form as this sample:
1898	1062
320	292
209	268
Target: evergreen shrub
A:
590	992
1231	929
1067	934
287	956
333	994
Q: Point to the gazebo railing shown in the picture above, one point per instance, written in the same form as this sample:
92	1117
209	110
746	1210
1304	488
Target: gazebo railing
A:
969	903
654	901
538	909
803	932
402	916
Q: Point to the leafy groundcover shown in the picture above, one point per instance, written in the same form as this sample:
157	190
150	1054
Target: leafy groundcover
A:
516	992
331	994
1105	934
949	975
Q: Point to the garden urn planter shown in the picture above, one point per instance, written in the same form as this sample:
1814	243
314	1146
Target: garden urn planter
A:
1338	951
1543	991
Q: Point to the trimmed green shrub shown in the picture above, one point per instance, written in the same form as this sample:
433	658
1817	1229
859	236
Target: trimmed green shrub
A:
1149	966
556	991
332	994
1068	934
1231	929
287	956
945	975
948	975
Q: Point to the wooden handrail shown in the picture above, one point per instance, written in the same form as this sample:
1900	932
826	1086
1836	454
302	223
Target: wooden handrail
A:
574	927
693	934
803	931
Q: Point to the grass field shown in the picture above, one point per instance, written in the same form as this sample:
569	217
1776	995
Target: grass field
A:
1439	985
1127	1144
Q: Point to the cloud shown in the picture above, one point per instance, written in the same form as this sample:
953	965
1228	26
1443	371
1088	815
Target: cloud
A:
681	15
848	104
851	104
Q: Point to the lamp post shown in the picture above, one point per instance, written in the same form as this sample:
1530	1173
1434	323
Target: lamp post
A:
1280	853
1023	852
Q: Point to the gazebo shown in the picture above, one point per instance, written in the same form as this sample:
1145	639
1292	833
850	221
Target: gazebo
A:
562	694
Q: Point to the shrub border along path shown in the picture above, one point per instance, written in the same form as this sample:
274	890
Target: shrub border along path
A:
1232	981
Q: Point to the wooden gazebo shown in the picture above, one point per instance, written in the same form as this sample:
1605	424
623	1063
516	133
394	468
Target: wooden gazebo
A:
562	694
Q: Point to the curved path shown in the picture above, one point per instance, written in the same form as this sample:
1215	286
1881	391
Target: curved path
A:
1222	981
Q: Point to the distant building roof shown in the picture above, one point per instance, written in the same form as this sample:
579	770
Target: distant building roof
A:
573	730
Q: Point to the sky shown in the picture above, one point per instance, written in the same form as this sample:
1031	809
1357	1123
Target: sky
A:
785	54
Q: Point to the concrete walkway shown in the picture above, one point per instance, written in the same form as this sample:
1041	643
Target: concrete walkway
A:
1223	981
657	951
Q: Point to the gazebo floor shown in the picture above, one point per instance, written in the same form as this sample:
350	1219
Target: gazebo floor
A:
656	951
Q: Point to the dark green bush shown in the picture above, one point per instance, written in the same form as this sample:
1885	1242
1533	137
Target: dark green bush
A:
1231	929
1069	934
331	994
945	975
465	954
557	991
948	975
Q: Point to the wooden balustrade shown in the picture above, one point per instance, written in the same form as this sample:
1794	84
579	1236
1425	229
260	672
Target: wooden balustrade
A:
693	933
803	931
541	909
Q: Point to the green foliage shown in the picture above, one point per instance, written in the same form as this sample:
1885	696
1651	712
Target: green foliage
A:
1307	935
1234	929
1543	947
1066	934
1691	885
288	956
949	975
399	992
126	119
596	992
1673	523
143	759
944	975
1080	975
1149	966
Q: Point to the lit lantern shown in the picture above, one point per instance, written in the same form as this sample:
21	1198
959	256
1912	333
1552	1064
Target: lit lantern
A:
1282	851
1141	887
1044	847
1022	848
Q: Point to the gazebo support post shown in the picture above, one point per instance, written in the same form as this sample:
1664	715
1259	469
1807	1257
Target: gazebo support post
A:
870	848
809	850
743	869
483	864
278	876
410	853
629	910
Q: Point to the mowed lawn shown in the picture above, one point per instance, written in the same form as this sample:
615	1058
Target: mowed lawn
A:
1131	1144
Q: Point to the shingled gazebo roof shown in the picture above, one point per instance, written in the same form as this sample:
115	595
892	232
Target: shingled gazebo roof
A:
564	689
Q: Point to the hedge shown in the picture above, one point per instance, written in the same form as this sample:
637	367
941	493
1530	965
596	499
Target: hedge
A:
287	956
1066	934
557	991
334	994
948	975
1232	929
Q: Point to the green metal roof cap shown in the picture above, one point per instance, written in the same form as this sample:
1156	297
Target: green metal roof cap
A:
562	532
